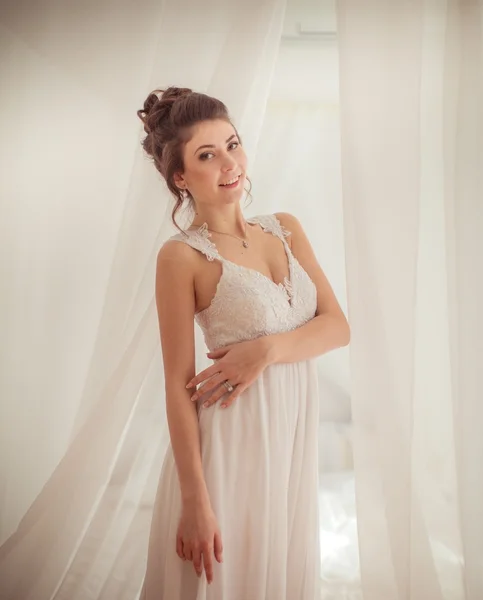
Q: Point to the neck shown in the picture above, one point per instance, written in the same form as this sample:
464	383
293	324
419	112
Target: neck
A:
227	221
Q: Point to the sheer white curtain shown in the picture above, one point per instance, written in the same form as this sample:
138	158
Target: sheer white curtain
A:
411	98
82	425
298	170
83	431
299	157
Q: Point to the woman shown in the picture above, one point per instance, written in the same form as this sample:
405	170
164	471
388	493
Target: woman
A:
236	514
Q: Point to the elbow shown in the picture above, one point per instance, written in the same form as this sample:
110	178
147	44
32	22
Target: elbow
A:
344	331
338	326
347	334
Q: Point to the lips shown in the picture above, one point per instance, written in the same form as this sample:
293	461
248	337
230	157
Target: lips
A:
232	181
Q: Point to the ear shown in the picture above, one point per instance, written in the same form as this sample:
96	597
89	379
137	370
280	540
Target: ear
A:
179	181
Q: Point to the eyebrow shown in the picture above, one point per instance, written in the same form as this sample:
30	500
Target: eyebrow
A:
212	146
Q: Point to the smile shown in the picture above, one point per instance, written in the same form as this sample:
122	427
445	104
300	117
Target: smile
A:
232	183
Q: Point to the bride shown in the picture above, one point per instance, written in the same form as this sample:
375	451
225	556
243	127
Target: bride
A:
236	510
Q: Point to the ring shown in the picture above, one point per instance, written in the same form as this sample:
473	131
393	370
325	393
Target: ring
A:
228	386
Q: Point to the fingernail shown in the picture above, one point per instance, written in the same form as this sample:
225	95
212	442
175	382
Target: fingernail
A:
206	404
224	405
189	385
194	397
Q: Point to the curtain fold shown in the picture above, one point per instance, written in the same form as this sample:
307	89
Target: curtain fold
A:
412	157
84	432
463	192
85	532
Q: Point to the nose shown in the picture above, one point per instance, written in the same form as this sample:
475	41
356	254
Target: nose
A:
228	163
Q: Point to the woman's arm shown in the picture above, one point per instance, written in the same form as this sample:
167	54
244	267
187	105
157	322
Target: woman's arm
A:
175	301
329	328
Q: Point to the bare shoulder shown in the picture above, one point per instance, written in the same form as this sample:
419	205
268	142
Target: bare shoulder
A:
288	220
175	250
291	224
176	262
175	267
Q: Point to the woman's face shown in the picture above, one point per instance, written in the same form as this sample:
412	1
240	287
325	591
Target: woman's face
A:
213	158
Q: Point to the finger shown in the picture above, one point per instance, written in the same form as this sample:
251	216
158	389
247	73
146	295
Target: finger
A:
188	552
233	396
203	375
213	383
220	392
218	352
197	561
179	547
208	562
218	547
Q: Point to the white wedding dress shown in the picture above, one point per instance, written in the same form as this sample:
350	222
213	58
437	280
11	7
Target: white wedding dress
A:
260	455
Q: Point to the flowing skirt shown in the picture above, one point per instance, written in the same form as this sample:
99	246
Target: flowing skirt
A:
260	461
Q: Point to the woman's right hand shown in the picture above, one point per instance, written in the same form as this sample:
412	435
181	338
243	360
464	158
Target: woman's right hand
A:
198	538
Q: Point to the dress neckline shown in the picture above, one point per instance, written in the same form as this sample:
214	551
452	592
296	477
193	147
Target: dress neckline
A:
285	286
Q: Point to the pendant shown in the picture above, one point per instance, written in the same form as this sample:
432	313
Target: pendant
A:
245	243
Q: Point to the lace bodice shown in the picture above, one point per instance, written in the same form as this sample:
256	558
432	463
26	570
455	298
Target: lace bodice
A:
248	304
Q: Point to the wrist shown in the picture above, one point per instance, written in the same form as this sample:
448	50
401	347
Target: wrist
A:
195	497
269	345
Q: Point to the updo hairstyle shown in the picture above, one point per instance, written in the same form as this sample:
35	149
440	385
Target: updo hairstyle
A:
168	116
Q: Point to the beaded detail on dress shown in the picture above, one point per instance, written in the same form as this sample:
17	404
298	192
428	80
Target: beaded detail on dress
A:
248	304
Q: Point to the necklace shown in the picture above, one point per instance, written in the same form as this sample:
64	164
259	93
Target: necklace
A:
243	241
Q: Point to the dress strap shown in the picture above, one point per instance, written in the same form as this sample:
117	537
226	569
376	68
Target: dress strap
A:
271	224
199	239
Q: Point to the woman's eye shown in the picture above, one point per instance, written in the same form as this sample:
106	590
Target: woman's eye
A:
205	155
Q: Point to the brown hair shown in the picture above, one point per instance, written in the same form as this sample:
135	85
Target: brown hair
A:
167	120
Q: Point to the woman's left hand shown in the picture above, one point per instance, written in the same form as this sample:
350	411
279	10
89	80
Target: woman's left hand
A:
239	363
